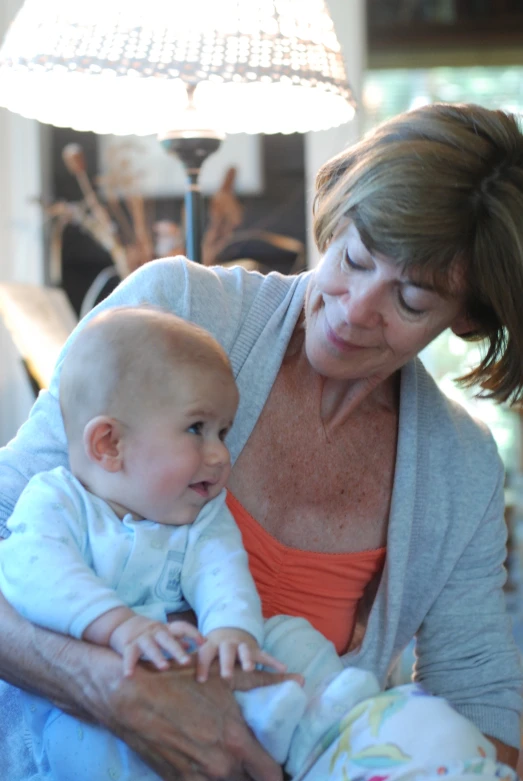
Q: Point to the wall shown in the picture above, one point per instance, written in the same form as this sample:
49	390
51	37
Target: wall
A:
21	245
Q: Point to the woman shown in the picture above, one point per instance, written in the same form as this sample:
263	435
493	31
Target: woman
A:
343	444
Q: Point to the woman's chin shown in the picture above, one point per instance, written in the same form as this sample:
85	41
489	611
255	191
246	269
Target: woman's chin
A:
330	366
345	368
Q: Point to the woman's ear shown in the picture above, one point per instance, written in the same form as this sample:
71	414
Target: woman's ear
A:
103	443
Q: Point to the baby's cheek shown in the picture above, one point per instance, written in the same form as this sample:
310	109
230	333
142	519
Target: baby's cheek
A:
170	482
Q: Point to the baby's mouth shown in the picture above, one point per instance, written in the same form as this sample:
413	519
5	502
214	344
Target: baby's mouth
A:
201	488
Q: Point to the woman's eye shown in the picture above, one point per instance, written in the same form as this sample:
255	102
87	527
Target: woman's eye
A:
196	428
409	309
349	262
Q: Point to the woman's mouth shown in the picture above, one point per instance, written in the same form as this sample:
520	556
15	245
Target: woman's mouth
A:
339	343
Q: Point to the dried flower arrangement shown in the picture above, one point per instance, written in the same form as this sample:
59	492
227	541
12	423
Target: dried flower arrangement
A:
120	223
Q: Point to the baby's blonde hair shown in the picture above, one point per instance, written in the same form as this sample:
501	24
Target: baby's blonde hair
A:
125	362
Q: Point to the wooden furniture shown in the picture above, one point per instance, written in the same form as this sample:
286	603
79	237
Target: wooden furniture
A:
425	33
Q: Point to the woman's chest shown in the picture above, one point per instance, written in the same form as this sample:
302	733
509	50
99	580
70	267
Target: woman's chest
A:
318	490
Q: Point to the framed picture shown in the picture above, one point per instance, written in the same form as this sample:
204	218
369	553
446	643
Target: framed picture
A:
157	174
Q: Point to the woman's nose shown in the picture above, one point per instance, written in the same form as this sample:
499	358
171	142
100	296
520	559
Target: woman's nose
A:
362	305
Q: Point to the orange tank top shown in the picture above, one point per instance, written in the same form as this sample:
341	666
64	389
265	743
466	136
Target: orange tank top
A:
324	588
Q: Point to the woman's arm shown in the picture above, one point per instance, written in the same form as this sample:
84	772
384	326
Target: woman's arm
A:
183	729
465	647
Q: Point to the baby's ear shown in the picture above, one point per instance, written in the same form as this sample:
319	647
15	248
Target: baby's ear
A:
103	443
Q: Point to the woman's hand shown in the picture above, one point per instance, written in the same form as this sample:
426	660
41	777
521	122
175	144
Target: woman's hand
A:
186	730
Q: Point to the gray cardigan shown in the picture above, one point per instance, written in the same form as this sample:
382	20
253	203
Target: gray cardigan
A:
444	573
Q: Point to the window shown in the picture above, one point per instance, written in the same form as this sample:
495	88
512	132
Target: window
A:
389	92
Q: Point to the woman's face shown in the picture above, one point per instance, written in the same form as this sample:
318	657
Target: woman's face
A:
365	318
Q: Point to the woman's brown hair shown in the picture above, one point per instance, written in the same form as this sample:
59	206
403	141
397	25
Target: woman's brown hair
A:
440	188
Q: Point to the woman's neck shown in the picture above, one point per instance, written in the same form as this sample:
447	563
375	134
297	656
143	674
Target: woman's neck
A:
339	399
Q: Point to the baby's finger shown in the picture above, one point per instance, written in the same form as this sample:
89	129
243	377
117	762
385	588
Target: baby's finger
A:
227	652
246	655
183	629
152	651
131	655
172	646
205	656
261	657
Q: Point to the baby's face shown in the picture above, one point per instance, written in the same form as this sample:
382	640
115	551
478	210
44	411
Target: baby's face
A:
175	459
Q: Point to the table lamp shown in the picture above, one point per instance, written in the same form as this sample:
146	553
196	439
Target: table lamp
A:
188	70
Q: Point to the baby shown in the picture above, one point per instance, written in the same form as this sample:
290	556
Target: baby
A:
138	530
147	401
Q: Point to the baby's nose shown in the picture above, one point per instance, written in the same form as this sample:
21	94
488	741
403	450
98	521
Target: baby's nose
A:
217	453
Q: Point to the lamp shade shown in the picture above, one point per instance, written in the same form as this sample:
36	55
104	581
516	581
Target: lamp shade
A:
123	66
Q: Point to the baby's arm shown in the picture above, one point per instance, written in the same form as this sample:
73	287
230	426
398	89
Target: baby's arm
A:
134	636
44	564
217	583
45	574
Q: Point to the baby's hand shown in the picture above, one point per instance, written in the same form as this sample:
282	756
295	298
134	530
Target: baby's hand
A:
230	646
141	637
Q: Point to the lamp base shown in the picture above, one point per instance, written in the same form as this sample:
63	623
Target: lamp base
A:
192	147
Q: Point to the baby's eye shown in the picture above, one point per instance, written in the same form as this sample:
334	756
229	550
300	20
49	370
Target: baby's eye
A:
196	428
223	433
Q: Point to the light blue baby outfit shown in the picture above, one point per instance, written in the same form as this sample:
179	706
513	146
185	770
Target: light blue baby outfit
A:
70	559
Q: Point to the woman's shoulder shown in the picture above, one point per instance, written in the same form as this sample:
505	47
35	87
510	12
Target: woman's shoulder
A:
453	456
206	295
180	272
461	439
439	407
232	303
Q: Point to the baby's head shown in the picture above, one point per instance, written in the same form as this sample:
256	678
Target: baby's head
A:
147	400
